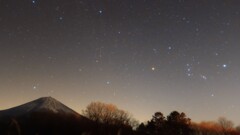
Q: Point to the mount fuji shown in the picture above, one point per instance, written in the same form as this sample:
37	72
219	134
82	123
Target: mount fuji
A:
43	105
43	116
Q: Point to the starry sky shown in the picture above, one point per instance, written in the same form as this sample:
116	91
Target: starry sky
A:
141	55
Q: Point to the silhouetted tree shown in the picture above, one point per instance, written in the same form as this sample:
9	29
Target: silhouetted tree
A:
108	114
222	127
141	129
157	124
226	125
175	124
178	124
158	119
238	128
110	118
206	128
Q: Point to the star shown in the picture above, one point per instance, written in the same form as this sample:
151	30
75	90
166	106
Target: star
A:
60	18
33	2
188	70
153	68
203	77
224	65
100	11
34	87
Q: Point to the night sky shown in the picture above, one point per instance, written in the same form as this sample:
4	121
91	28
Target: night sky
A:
141	55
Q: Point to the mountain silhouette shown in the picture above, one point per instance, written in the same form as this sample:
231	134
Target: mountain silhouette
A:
44	104
46	116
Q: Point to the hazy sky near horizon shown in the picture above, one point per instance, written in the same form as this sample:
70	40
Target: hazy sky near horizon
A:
141	55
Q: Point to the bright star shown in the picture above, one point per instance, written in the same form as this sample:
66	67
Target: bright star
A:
224	65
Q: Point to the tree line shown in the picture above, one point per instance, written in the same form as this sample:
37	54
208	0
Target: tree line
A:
176	123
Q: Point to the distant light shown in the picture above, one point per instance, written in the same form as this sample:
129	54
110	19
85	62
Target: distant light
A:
60	18
224	65
100	11
169	48
212	95
153	68
204	77
33	1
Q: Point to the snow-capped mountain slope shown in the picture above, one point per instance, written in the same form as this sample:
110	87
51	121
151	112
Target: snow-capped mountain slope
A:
44	104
